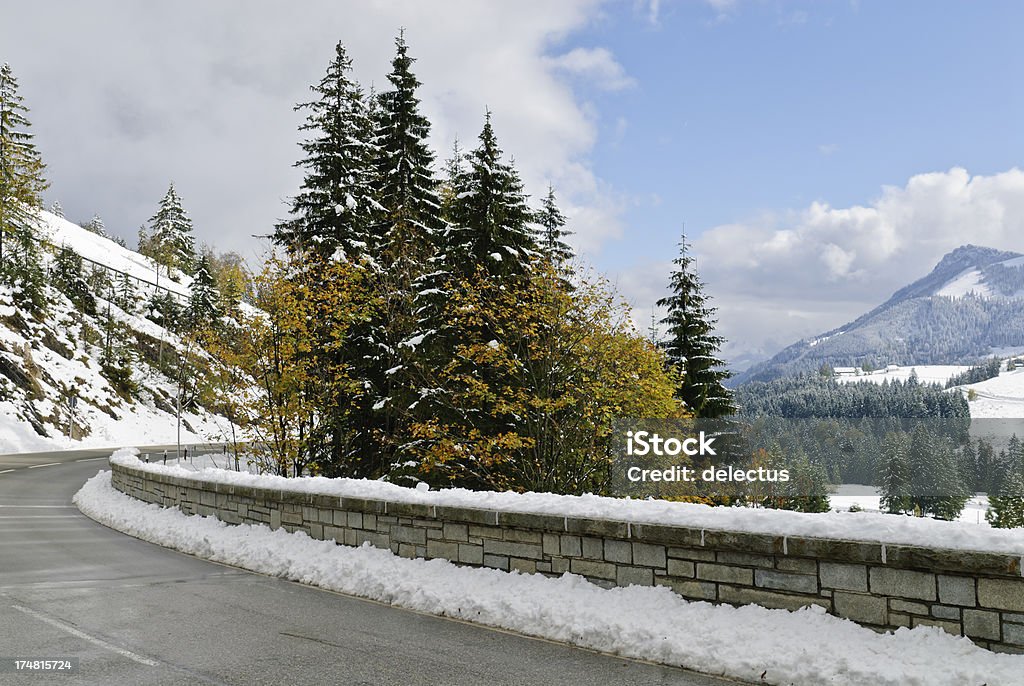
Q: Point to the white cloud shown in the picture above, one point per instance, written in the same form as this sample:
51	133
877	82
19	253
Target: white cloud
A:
778	278
595	64
127	96
828	148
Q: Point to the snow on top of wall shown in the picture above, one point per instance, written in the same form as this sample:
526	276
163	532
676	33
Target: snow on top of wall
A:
850	526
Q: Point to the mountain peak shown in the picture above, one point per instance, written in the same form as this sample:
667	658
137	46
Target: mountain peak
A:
970	255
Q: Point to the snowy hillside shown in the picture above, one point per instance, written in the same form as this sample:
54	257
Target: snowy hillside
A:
45	362
998	398
934	373
60	232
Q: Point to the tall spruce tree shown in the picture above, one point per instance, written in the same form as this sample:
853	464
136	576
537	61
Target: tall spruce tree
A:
335	208
21	187
402	242
491	222
691	343
169	240
96	226
552	231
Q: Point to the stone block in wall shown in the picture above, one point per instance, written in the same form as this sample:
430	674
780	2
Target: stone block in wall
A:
521	536
620	552
907	606
897	619
527	520
408	534
946	612
797	564
729	557
496	562
572	546
471	554
481	531
844	576
741	541
1013	633
949	559
530	551
902	583
754	596
443	549
723	573
835	551
681	568
648	555
859	607
549	544
518	564
957	590
981	624
353	520
559	565
666	535
604	528
315	530
626	575
593	548
455	532
1001	594
696	554
466	515
784	581
591	568
693	590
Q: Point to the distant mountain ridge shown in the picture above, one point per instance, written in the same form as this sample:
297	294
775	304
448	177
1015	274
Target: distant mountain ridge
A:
971	303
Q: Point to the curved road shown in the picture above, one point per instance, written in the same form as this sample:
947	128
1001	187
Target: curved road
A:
135	613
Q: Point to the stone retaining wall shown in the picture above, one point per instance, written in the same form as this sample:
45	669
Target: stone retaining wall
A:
980	595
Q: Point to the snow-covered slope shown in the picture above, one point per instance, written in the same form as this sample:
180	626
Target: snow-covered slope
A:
999	398
60	232
967	307
45	361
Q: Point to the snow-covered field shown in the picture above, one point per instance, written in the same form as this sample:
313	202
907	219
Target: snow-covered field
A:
926	373
999	398
867	499
802	648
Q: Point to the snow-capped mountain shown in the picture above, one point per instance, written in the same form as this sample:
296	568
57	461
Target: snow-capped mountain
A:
971	305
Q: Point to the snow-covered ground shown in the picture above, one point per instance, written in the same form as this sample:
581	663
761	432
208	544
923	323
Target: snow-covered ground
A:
802	648
926	373
999	398
867	499
851	526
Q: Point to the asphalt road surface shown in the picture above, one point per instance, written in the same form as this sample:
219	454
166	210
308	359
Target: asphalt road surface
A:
134	613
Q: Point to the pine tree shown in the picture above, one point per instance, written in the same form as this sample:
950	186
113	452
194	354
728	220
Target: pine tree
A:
552	221
169	239
96	226
490	219
692	345
204	301
402	243
56	209
894	480
21	188
67	277
1006	510
335	208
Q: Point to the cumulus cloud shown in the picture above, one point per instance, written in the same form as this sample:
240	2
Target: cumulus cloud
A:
781	277
128	96
595	64
784	276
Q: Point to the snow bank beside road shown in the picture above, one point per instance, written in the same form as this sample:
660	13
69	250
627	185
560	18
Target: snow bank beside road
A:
850	526
803	648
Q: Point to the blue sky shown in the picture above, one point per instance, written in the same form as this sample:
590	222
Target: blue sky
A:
821	154
771	105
